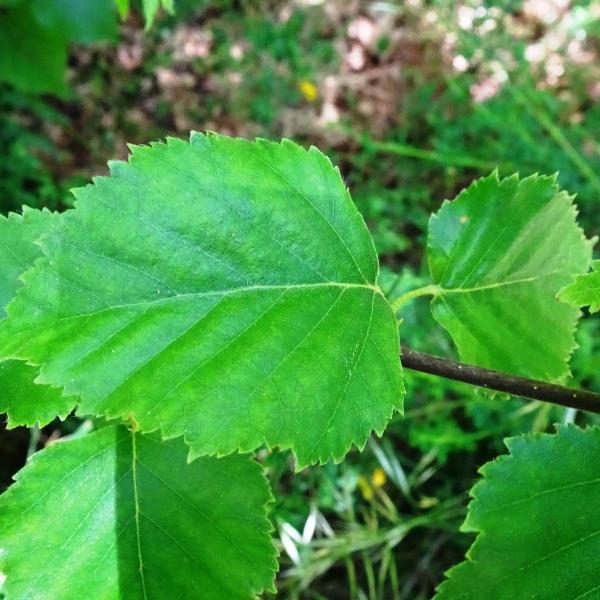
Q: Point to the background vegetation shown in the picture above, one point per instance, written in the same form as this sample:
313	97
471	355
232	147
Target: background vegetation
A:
413	99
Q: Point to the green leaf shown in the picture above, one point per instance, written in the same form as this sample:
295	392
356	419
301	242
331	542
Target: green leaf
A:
585	291
25	402
32	58
536	516
19	234
169	6
133	520
151	9
499	253
5	3
78	21
122	7
221	289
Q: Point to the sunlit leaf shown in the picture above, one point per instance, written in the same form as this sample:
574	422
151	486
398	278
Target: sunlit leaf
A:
119	515
221	289
585	291
500	253
25	402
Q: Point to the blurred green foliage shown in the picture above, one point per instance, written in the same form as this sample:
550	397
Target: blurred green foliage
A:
23	177
35	35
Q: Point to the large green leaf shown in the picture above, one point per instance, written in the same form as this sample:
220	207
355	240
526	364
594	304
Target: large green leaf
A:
536	514
32	58
221	289
25	402
500	253
585	290
119	515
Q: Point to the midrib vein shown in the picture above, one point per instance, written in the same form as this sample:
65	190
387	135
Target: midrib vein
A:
137	511
491	286
227	292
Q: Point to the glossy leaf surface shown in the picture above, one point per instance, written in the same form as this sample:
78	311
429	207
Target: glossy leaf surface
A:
221	289
119	515
499	253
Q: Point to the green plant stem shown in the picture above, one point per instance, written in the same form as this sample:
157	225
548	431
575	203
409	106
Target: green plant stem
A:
501	382
427	290
370	575
430	155
351	571
34	440
410	151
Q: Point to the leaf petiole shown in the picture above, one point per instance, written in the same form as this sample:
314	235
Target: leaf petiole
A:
427	290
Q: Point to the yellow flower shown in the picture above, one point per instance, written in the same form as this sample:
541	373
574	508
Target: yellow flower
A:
368	486
309	90
365	488
427	502
378	477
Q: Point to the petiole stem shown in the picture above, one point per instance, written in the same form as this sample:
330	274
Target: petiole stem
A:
427	290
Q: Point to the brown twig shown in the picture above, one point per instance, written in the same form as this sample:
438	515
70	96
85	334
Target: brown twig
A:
501	382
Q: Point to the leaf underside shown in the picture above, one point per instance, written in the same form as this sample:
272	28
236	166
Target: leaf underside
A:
119	515
500	253
220	289
536	514
25	402
585	290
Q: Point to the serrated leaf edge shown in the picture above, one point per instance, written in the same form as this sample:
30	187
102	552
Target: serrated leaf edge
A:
515	445
124	417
